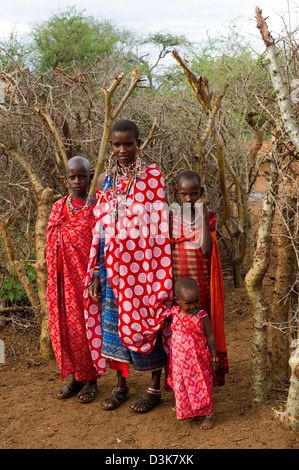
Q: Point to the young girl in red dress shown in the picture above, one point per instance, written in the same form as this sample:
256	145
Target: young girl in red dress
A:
193	354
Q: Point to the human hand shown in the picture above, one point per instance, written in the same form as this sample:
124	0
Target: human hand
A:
214	366
95	289
205	212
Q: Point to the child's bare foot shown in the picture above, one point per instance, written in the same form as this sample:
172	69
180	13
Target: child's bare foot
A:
208	422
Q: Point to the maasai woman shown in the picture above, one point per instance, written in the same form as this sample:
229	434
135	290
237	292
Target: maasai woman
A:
134	282
68	245
195	254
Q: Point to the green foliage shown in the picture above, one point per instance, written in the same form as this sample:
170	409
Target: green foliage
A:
12	289
72	36
13	52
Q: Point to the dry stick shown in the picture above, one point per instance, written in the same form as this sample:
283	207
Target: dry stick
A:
17	266
151	133
110	116
199	86
46	118
172	172
290	416
16	309
44	200
284	103
201	141
186	162
24	162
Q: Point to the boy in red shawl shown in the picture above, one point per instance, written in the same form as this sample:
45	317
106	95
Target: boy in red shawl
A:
69	237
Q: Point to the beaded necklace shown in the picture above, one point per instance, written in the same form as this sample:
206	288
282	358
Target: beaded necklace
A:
72	209
131	171
189	225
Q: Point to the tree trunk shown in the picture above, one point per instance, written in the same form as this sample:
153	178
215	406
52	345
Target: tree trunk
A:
290	417
44	198
253	284
18	267
236	234
44	206
285	278
290	122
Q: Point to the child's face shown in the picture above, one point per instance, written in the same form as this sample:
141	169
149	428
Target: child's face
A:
188	300
124	146
189	192
77	177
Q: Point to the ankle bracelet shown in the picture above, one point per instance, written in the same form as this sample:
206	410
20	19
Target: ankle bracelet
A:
154	391
119	389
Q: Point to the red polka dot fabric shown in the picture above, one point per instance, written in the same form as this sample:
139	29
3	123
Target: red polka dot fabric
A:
138	263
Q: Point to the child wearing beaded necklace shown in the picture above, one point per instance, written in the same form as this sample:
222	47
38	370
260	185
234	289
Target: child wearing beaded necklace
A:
195	254
68	245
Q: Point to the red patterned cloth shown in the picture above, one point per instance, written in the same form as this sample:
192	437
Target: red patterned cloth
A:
138	262
190	375
188	260
68	246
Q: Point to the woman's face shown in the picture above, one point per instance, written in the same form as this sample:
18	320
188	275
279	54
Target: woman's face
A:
124	146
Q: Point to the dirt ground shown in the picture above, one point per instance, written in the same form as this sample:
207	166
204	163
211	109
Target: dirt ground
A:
32	418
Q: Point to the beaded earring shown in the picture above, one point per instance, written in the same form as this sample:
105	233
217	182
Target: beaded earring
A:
110	164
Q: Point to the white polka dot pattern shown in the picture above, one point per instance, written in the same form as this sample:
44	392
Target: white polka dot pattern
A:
138	262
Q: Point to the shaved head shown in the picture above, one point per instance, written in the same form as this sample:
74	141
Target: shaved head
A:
78	162
185	284
189	175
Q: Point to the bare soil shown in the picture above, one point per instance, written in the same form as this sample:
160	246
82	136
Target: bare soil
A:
32	418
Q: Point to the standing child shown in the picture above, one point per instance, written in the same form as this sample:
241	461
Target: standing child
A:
69	237
195	254
193	353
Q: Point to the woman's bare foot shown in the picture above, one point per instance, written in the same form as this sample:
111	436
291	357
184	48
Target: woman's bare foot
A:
208	422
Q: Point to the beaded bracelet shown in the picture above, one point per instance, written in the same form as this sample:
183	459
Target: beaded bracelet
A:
214	359
96	271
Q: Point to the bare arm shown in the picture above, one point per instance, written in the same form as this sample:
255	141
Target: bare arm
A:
211	340
207	241
95	286
100	181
